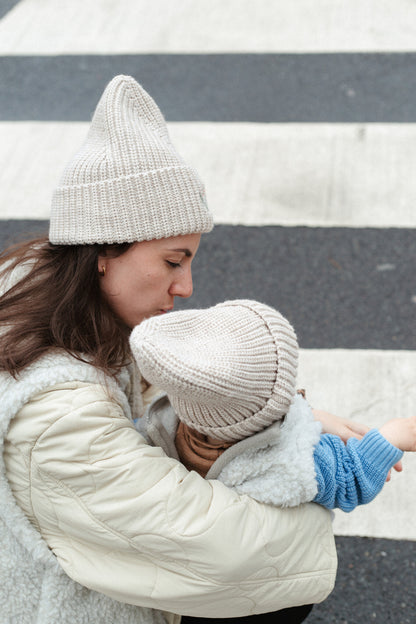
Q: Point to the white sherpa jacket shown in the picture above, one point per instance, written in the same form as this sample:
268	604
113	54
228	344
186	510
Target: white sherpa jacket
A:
91	514
275	466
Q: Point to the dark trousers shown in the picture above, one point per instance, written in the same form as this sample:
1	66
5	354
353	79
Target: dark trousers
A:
294	615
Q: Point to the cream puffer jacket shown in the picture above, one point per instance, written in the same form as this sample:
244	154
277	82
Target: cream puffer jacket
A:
98	504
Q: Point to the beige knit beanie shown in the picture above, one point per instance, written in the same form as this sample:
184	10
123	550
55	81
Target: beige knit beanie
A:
229	370
127	183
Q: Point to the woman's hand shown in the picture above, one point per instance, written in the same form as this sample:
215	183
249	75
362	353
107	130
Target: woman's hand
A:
342	427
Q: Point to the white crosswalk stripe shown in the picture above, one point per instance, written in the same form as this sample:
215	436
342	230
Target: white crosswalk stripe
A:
347	175
206	26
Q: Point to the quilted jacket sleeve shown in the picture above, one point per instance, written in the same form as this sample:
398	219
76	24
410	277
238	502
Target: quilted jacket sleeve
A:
126	520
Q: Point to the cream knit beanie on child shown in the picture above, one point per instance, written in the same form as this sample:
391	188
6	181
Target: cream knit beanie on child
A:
229	370
127	183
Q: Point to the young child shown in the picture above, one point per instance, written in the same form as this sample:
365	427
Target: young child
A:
230	376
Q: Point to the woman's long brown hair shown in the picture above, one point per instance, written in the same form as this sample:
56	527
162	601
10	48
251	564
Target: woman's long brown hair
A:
58	303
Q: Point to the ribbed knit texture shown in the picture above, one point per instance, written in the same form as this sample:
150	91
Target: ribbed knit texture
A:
229	370
352	474
127	183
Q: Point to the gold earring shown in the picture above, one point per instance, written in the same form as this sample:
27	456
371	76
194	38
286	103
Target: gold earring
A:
102	272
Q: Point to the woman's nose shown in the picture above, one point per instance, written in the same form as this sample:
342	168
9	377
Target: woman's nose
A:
182	286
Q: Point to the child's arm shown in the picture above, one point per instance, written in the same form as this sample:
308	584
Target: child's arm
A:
346	429
353	474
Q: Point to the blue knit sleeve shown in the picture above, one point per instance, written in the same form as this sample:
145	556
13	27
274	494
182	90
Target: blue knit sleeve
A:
352	474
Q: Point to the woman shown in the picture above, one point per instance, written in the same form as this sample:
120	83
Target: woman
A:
96	525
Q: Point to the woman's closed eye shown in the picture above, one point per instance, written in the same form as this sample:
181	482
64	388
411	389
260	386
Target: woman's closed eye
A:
173	264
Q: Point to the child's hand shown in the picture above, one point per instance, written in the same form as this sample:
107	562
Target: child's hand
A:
401	432
342	427
398	468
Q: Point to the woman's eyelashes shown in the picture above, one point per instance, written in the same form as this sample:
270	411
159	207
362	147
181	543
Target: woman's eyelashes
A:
173	264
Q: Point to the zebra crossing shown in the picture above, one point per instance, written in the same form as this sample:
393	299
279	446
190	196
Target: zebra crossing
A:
300	119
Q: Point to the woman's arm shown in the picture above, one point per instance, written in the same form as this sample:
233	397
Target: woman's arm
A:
344	428
126	520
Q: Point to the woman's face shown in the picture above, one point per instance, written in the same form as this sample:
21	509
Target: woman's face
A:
145	280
